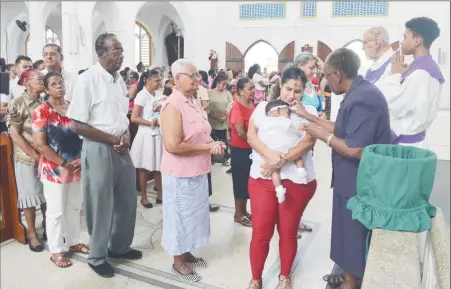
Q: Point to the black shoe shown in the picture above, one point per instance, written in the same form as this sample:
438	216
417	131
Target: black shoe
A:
130	255
36	249
214	208
147	206
229	171
104	270
159	202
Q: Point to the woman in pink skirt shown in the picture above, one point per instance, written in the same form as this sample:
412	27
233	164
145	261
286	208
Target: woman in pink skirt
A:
147	147
260	83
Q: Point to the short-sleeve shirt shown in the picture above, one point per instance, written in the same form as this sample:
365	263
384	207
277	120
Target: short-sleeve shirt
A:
239	114
61	139
219	103
147	101
196	130
289	170
256	78
100	100
363	119
19	113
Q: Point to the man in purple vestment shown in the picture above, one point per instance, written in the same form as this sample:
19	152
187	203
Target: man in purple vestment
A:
413	91
362	120
376	45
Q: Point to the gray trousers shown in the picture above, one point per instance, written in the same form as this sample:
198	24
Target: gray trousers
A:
109	195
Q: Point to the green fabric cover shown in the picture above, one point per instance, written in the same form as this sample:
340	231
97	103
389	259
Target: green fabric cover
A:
394	184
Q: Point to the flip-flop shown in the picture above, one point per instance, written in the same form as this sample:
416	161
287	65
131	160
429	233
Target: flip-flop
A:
79	248
59	260
244	222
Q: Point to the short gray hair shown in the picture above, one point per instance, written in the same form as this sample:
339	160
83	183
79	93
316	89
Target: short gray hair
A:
303	58
180	65
380	33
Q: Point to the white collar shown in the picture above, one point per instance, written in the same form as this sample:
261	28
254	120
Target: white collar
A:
379	62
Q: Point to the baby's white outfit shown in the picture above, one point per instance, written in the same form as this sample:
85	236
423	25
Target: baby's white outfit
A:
277	133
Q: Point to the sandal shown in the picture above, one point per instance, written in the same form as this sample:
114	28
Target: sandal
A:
284	283
199	263
255	285
304	228
244	222
334	279
249	216
61	261
79	248
190	277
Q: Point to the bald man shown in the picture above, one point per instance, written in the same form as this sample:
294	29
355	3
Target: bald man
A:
376	45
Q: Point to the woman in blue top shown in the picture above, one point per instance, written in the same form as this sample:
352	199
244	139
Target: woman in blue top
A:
309	63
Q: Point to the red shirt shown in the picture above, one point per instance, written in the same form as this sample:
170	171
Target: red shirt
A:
239	114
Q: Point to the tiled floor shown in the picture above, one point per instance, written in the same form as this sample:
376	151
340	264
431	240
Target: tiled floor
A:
227	251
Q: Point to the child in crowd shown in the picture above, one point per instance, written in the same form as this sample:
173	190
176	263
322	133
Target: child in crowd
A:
277	133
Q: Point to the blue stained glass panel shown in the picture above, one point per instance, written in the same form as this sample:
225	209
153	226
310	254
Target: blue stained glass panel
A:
308	8
262	11
360	8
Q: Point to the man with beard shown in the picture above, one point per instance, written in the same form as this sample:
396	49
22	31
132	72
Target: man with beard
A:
99	113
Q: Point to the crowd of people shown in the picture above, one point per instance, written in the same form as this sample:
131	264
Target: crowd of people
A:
72	145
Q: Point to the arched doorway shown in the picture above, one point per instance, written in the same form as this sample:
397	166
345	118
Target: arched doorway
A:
262	53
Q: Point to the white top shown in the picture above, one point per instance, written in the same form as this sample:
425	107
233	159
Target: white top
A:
292	135
147	101
378	63
16	89
4	98
100	100
69	82
202	95
257	78
414	104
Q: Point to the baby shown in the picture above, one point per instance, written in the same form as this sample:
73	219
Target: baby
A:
156	113
277	133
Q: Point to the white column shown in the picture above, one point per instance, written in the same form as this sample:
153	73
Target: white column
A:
86	44
37	29
70	45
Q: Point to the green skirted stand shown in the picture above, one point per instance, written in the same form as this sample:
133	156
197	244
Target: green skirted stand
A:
394	184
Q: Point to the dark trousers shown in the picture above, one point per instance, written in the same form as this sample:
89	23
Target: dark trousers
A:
221	135
3	127
210	189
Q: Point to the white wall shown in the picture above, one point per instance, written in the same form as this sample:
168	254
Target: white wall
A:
209	25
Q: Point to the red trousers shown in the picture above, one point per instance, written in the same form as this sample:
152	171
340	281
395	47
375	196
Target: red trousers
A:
267	213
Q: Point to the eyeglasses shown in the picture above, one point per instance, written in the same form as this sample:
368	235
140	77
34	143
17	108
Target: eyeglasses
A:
51	54
194	75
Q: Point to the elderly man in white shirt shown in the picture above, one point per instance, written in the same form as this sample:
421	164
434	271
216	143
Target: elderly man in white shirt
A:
99	110
376	45
52	56
413	91
22	63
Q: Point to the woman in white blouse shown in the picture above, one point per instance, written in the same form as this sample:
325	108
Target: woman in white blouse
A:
147	147
260	83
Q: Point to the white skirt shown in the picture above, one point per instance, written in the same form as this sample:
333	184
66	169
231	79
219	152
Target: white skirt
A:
186	214
147	150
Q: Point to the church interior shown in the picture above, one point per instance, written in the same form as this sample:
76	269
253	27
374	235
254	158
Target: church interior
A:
241	33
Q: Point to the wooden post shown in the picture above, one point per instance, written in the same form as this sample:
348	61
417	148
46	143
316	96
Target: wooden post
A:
11	224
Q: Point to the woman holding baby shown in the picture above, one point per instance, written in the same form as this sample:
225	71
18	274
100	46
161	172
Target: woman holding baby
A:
269	211
147	147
